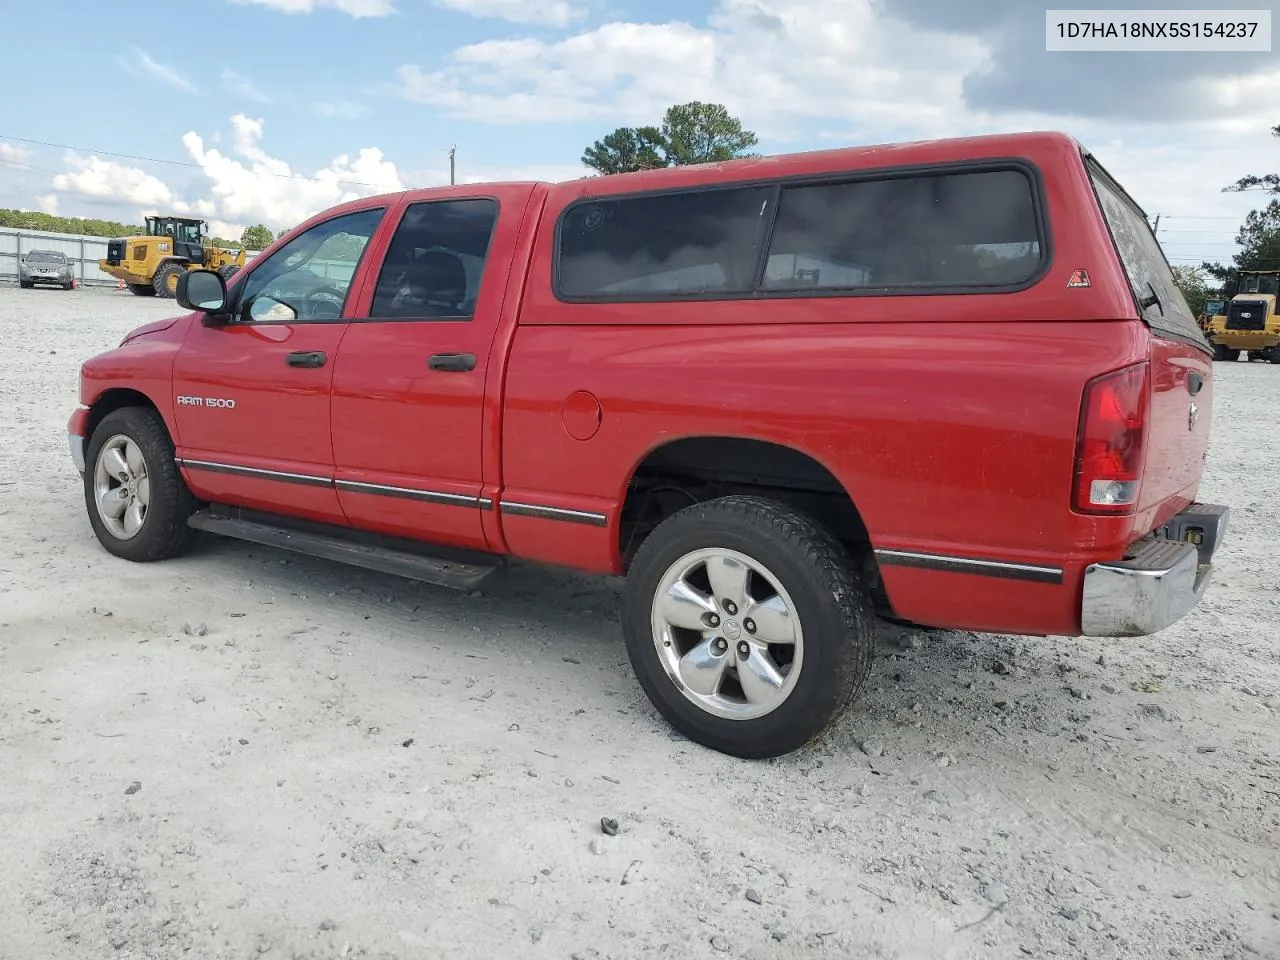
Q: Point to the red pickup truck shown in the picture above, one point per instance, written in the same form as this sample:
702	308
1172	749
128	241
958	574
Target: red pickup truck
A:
950	383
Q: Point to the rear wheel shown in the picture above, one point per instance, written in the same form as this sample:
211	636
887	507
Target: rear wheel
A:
142	289
138	502
228	271
165	281
748	625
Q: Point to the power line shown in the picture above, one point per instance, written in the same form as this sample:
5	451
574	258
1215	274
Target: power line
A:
190	165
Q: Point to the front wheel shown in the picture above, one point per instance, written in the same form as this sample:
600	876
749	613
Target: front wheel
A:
748	625
165	282
138	502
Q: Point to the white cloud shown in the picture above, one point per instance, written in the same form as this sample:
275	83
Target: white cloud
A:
352	8
237	83
782	63
49	204
92	177
247	185
159	71
552	13
14	155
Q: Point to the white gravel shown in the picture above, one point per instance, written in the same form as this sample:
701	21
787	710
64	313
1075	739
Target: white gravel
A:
332	763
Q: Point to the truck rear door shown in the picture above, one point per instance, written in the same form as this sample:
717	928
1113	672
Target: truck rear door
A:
1181	360
409	386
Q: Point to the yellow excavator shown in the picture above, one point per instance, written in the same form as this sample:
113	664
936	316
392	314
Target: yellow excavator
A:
1248	323
150	265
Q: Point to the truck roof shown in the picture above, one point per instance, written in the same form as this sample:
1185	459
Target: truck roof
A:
923	152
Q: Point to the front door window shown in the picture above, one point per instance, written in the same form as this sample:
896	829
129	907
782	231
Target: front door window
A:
308	279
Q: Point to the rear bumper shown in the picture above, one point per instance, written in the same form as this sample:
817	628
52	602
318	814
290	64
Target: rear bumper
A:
1246	339
1160	580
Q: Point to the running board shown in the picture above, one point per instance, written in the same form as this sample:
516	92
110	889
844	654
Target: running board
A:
399	563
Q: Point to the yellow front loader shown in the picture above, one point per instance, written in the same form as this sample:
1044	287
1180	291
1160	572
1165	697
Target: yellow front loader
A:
150	265
1249	322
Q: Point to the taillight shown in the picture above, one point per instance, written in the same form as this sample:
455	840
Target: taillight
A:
1111	443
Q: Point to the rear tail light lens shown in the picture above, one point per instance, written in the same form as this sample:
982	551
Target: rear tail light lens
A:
1112	440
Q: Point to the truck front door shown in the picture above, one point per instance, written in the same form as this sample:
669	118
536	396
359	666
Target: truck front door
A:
252	395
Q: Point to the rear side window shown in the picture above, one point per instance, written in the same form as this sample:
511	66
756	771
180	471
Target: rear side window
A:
662	246
976	229
1161	302
436	260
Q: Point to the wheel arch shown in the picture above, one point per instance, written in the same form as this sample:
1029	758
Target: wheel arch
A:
117	398
677	472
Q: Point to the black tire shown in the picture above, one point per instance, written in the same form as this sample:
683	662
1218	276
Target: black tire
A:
164	532
1233	355
25	284
1274	355
1219	352
141	289
166	279
68	285
227	271
830	601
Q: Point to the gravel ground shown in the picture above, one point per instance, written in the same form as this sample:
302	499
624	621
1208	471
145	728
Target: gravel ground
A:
246	753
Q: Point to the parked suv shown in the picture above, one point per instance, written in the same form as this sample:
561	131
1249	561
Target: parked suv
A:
45	266
951	383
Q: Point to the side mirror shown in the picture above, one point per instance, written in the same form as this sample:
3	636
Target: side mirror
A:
203	290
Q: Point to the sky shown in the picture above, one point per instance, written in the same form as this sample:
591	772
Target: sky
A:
247	111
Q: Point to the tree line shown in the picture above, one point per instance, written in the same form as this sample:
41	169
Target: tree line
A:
256	237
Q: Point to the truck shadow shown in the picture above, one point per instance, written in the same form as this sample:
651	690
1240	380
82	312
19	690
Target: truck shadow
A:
927	686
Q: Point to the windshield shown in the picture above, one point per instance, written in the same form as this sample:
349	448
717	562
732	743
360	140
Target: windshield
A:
45	256
187	232
182	231
1260	284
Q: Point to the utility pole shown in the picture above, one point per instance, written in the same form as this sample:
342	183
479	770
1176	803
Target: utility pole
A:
1156	228
452	153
